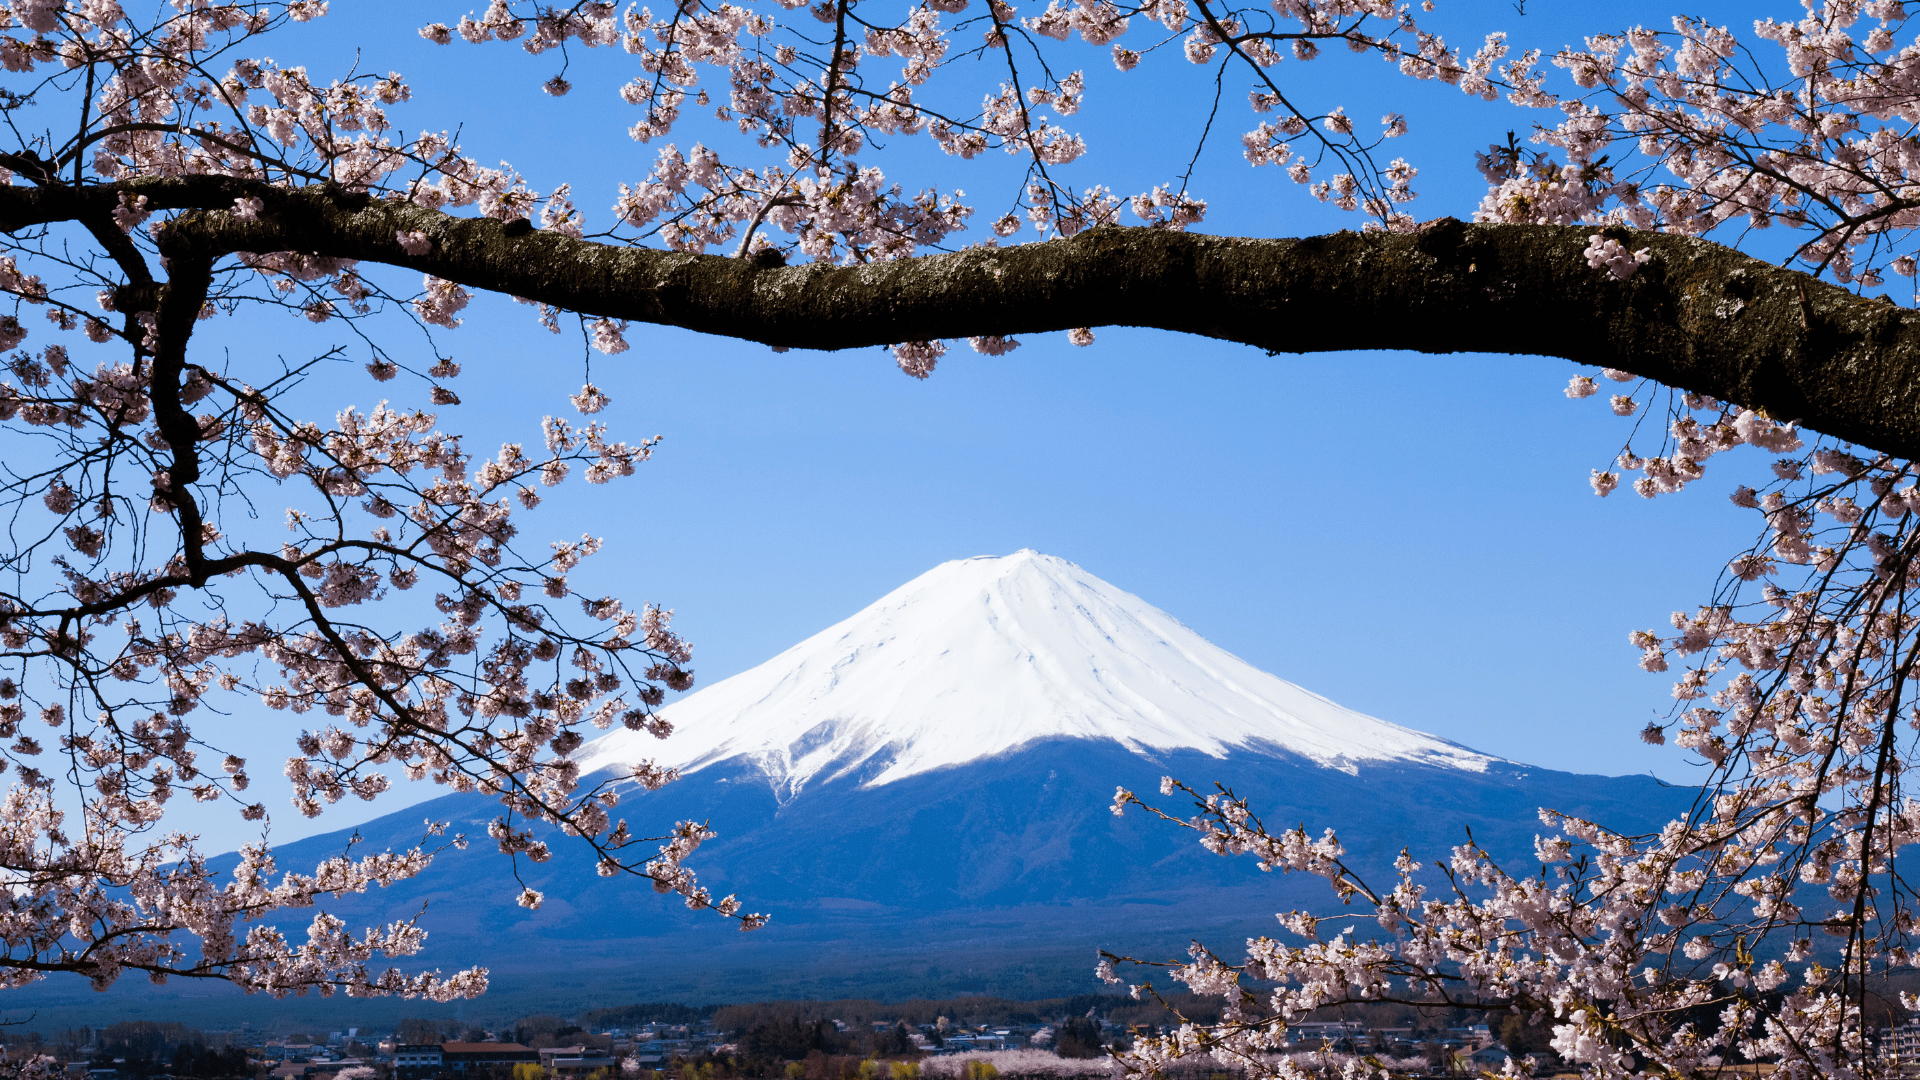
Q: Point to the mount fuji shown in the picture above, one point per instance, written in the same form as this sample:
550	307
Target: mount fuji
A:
919	795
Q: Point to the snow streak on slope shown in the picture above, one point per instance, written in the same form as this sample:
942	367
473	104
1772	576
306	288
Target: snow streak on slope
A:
979	656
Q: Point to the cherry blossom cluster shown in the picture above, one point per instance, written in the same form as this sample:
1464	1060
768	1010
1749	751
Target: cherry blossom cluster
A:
1634	950
1695	129
691	203
388	601
813	86
809	100
1791	684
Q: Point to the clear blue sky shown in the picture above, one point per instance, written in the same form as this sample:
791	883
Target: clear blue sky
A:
1412	536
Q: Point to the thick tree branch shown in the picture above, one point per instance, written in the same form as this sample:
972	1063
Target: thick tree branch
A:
1700	316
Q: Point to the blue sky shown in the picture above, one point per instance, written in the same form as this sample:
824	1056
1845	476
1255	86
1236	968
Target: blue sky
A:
1410	535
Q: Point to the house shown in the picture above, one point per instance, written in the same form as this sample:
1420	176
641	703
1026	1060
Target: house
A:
575	1061
1390	1039
1900	1047
1486	1059
1314	1032
458	1057
416	1061
1544	1062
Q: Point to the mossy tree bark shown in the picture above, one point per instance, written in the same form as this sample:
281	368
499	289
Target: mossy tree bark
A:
1699	316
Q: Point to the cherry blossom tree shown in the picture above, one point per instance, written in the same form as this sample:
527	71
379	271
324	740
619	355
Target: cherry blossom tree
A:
1754	926
164	174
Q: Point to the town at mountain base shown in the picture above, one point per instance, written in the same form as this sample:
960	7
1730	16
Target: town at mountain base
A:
898	863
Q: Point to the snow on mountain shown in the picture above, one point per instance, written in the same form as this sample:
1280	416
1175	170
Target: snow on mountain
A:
980	656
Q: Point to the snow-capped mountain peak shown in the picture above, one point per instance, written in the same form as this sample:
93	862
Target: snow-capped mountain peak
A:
980	656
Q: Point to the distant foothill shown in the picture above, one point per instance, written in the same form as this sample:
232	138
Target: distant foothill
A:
968	1038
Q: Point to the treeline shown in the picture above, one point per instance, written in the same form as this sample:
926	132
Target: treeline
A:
647	1012
146	1047
423	1031
793	1040
969	1011
544	1030
963	1011
815	1066
538	1031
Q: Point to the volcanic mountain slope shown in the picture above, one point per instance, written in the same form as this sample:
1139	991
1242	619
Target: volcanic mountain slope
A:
953	748
920	795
